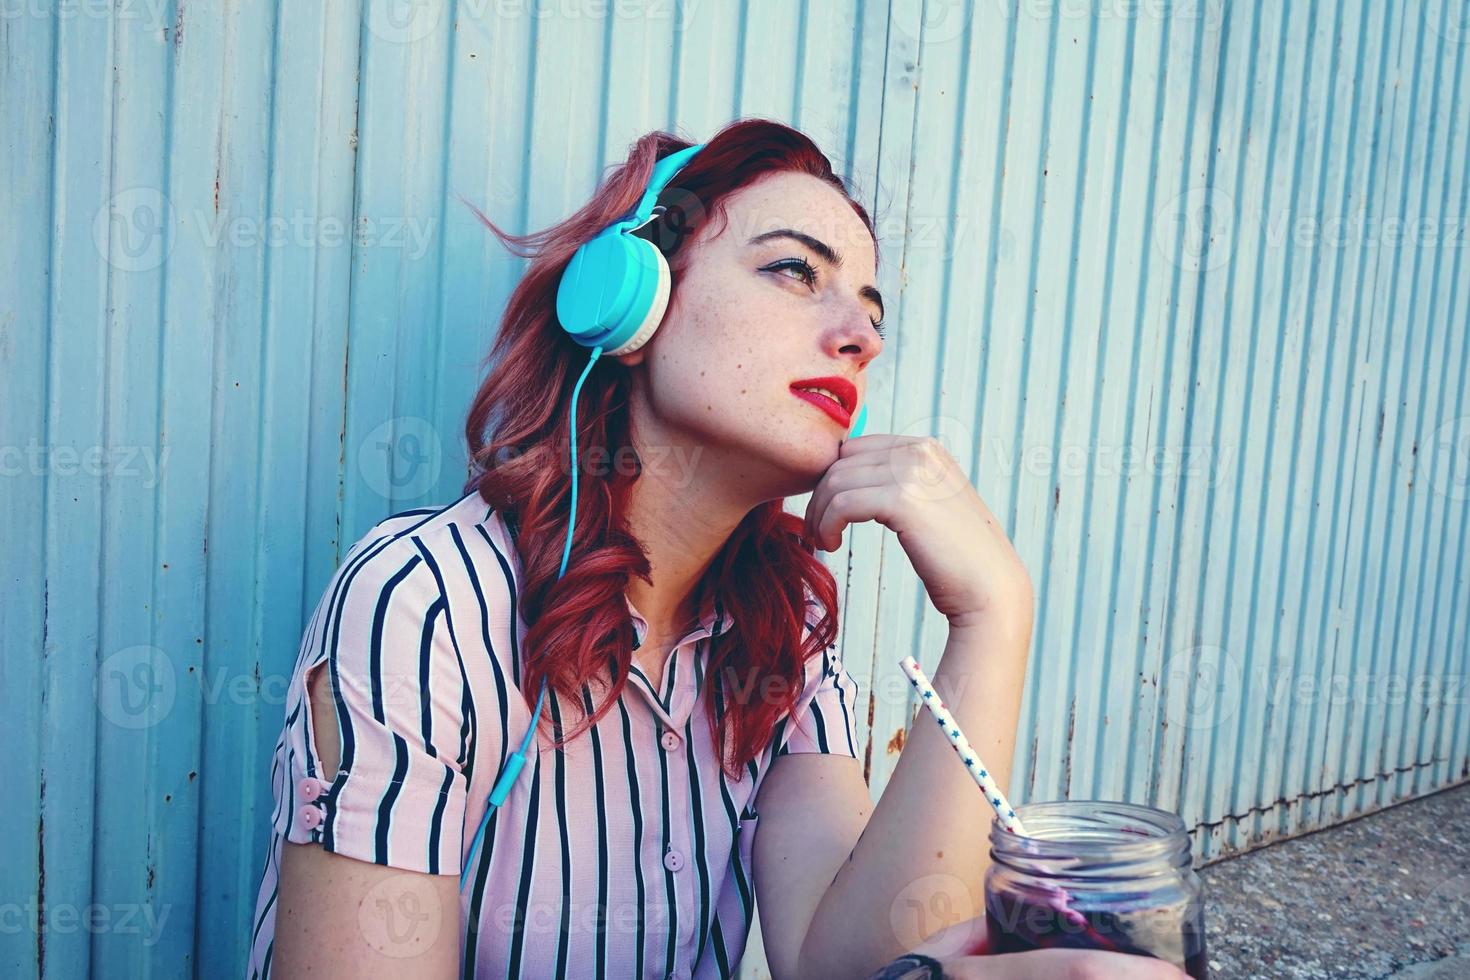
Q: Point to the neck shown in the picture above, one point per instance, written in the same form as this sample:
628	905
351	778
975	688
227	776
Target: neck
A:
682	517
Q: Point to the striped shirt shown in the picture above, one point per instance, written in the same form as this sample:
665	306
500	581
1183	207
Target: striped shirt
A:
626	855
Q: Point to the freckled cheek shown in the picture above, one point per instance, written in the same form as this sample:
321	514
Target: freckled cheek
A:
734	383
735	348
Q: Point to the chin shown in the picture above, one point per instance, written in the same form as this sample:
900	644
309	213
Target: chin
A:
814	455
793	441
787	463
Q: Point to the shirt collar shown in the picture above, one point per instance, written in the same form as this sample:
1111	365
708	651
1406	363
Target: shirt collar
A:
714	619
674	701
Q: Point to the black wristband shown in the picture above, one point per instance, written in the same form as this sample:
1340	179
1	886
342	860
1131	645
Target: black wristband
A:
911	966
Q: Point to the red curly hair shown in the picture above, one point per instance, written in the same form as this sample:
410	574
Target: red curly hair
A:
579	624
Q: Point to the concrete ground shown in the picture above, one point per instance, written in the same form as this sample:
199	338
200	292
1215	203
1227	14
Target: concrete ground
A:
1383	896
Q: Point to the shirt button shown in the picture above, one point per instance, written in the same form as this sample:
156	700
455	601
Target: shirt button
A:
310	816
669	740
309	789
673	860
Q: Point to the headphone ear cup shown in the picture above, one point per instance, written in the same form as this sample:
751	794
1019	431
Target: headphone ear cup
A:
661	281
613	292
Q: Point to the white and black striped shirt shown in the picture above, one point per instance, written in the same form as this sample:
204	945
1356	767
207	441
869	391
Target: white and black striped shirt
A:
628	855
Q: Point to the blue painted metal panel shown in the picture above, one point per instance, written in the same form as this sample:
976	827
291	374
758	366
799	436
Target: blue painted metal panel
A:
1184	285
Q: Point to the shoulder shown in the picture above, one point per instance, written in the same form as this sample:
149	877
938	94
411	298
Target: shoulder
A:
448	534
434	531
414	565
824	718
821	668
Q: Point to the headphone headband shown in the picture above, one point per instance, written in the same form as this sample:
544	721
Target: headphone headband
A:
663	172
616	286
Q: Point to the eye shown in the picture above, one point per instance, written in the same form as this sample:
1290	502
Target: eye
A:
808	274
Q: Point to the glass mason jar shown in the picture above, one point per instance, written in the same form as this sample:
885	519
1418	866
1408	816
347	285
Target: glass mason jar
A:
1096	874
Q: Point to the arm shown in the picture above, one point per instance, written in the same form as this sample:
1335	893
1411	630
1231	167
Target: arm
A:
338	917
919	863
826	860
370	787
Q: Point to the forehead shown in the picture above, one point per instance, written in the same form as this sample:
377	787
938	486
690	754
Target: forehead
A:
803	203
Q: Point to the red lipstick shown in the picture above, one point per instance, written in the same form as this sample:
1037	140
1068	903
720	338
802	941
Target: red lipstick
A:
840	409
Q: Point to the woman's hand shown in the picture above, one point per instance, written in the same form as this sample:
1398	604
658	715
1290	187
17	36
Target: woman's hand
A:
914	487
964	951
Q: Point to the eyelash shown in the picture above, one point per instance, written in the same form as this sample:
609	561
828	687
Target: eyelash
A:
810	275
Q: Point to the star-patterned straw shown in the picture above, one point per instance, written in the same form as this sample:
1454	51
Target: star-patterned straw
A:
971	758
981	774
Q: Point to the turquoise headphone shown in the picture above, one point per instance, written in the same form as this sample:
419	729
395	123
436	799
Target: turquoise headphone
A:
612	297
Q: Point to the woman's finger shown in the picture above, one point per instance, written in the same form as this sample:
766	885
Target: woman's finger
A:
846	507
877	442
856	473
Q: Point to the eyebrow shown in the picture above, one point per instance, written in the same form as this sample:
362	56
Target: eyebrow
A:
824	251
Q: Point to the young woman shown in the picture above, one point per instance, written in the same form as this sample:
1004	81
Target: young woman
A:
692	689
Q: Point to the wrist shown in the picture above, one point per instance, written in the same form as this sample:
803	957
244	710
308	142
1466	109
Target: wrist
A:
911	966
1013	610
1000	622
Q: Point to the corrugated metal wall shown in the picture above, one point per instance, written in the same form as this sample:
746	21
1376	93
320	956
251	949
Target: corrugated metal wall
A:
1184	284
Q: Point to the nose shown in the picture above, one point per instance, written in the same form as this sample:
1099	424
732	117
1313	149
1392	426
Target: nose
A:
854	338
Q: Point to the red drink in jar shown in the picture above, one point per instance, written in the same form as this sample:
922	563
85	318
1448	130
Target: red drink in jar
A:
1095	874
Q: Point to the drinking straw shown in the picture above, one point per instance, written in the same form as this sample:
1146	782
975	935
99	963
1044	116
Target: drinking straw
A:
973	763
981	774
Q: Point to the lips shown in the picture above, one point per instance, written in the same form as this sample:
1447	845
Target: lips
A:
838	401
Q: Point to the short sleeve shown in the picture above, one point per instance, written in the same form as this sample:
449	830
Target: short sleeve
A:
382	633
825	717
